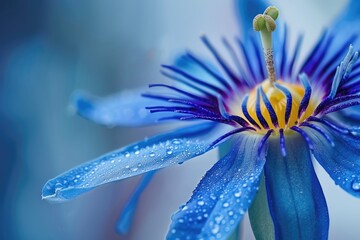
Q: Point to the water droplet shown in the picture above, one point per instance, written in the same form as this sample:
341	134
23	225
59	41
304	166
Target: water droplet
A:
137	152
218	218
134	169
212	196
355	186
181	220
244	185
58	186
152	154
173	230
231	213
127	154
184	208
169	151
215	229
237	194
78	176
201	203
225	205
176	141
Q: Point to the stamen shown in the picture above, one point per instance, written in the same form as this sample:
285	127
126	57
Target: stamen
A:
226	135
343	71
265	24
329	124
247	62
203	100
194	79
269	107
288	96
305	136
320	130
291	69
226	115
220	60
283	54
246	113
258	111
260	64
192	86
263	141
209	71
306	99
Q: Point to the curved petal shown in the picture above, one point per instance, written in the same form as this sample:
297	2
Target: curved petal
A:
350	115
296	201
224	194
127	108
151	154
350	14
341	159
125	220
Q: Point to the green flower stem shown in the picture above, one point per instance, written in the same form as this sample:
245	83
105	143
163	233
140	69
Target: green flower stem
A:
259	214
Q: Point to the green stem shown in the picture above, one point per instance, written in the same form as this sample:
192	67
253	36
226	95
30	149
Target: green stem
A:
259	214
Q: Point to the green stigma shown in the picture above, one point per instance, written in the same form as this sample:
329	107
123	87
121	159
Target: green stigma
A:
265	24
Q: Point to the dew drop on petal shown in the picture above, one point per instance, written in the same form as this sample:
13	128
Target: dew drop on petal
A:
58	186
215	229
237	194
200	203
355	186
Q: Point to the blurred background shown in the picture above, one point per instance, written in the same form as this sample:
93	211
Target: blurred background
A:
48	49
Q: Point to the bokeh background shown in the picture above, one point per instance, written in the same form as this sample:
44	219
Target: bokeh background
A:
48	49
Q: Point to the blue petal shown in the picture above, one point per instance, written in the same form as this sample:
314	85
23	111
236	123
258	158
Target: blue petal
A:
223	195
351	116
151	154
296	201
125	220
350	15
342	159
127	108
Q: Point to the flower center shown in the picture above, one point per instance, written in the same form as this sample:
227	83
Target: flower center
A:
277	106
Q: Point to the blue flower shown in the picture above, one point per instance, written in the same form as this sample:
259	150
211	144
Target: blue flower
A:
271	126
